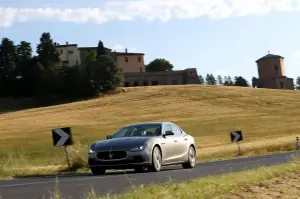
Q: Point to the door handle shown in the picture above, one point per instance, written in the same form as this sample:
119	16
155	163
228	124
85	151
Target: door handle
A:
175	140
163	143
185	139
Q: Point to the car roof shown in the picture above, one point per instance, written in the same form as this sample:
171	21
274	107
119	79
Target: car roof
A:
148	123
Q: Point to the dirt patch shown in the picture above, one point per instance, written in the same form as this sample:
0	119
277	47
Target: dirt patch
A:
287	186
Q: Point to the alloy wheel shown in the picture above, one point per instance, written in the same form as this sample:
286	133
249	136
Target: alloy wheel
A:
157	159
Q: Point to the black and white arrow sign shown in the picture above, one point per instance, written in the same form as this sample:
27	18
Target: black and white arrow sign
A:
236	136
62	136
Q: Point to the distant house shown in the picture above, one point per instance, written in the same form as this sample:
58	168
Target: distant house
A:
71	54
132	66
187	76
271	73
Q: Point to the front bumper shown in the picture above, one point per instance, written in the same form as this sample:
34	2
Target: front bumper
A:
132	159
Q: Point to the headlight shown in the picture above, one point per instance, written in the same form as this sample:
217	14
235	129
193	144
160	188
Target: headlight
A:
91	152
139	148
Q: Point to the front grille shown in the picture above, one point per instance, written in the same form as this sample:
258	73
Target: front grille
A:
111	155
118	162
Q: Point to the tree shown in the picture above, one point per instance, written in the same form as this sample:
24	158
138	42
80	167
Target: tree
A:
92	56
24	51
201	79
240	81
7	65
28	82
105	74
159	65
228	81
210	79
254	82
220	80
47	52
7	56
74	84
298	83
100	49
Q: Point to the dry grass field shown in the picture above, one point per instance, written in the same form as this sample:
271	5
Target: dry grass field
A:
286	186
269	120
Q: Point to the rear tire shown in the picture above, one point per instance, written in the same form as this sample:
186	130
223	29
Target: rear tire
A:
191	159
156	160
98	171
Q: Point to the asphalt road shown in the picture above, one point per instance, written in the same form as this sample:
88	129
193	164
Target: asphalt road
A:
74	186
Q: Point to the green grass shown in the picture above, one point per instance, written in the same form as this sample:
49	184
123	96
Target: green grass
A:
269	120
203	188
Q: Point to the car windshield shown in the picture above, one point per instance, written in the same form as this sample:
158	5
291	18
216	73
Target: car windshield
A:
145	130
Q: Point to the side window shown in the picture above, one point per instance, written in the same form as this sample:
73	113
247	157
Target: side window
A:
176	130
167	128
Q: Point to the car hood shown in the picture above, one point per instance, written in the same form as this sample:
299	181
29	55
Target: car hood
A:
119	143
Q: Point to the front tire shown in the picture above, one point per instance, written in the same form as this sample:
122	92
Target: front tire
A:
191	159
98	171
156	160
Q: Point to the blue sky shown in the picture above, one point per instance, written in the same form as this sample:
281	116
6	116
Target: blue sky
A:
221	37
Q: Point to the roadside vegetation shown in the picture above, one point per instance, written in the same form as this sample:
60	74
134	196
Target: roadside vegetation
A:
269	120
261	183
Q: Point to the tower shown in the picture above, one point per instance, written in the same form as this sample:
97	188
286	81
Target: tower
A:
271	73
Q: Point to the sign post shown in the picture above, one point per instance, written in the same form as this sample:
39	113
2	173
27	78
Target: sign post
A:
237	136
63	137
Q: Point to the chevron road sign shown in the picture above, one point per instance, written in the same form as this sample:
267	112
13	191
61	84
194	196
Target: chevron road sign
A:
236	136
62	136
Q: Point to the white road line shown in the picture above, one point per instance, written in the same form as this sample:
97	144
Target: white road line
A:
79	179
59	181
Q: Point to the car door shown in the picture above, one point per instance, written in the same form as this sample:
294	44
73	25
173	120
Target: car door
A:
181	147
168	146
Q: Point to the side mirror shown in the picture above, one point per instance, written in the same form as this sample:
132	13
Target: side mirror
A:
168	133
108	137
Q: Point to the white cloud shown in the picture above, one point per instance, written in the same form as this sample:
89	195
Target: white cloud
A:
120	48
162	10
296	54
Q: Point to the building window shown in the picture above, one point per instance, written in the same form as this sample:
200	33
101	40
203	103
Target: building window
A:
141	69
70	51
154	83
276	70
126	84
76	62
61	51
126	59
121	69
136	83
139	59
281	84
145	83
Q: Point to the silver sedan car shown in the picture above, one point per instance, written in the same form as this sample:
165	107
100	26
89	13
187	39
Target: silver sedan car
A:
143	147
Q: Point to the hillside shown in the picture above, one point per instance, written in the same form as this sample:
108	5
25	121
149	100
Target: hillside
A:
267	117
